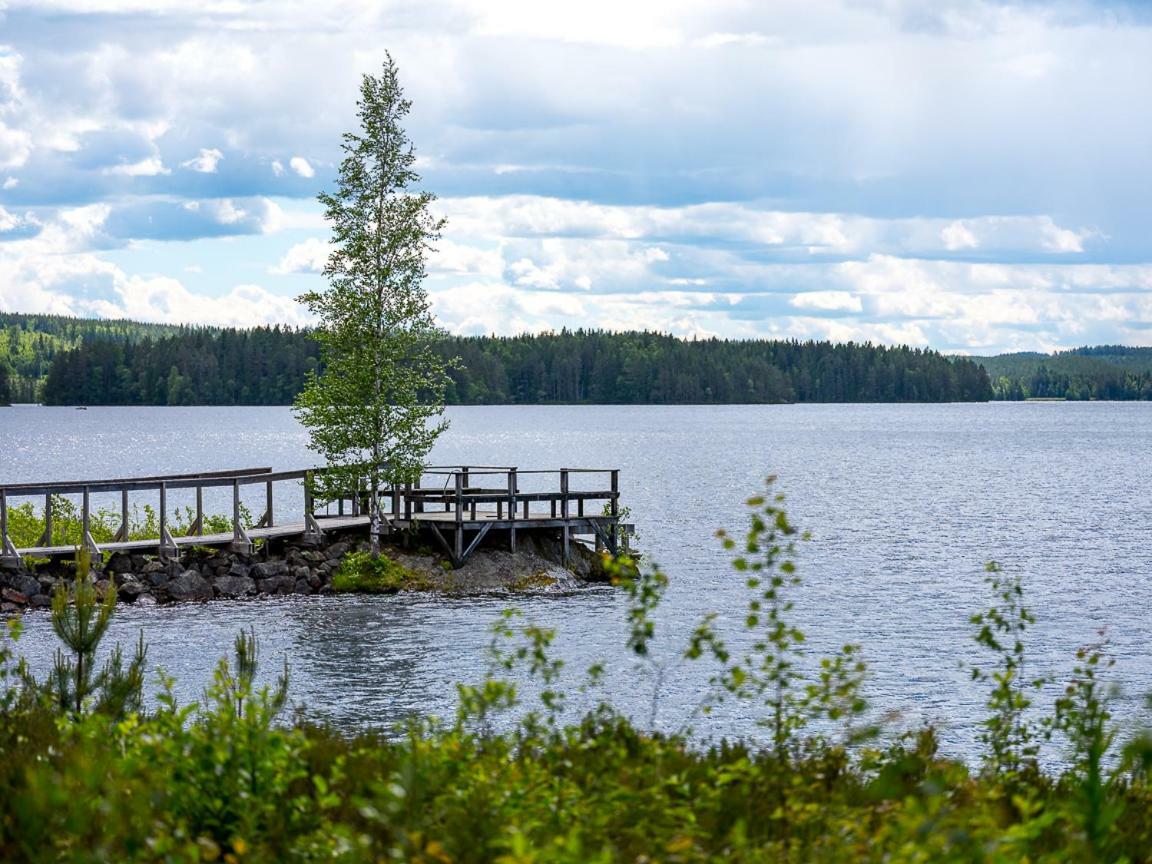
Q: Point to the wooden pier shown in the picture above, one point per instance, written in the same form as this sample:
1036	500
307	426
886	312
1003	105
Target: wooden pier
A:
458	507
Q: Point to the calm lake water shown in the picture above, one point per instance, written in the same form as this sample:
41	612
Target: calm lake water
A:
905	504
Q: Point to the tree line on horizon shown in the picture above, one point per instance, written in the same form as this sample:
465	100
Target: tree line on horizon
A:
268	366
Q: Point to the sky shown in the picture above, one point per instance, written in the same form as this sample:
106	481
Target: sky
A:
969	175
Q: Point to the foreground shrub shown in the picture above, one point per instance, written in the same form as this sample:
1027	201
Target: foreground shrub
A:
229	779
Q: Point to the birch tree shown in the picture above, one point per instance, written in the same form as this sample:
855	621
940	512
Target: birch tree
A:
376	408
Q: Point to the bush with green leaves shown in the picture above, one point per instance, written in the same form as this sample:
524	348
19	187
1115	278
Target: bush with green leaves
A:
512	780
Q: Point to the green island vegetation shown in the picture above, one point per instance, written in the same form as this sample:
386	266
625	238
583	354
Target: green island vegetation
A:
364	573
268	366
1102	372
92	772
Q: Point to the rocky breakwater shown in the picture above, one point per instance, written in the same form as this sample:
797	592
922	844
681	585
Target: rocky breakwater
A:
199	574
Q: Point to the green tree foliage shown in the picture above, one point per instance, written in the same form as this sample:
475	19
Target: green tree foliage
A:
1104	372
29	343
5	385
261	366
268	367
375	409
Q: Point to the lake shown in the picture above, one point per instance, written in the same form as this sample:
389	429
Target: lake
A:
905	504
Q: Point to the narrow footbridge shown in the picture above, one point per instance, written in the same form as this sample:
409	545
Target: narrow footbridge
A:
457	507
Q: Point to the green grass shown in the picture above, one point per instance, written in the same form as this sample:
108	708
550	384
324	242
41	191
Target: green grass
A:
360	573
26	523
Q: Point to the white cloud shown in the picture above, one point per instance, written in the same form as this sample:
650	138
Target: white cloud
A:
840	152
958	236
829	301
9	183
150	167
720	40
301	166
206	162
307	257
166	300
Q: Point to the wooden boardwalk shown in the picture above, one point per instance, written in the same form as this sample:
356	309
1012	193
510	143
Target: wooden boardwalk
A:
458	507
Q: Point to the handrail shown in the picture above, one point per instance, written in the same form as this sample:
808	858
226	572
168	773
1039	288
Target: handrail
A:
457	495
79	485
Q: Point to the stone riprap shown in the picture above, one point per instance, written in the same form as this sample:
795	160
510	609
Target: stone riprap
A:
200	575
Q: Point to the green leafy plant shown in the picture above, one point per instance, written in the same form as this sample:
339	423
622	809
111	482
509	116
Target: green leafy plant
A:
1010	737
360	572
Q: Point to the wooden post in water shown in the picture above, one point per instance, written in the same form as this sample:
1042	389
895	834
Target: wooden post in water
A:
459	539
564	512
512	509
614	510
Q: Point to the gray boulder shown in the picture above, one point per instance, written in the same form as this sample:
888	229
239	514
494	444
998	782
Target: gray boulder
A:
268	569
235	586
282	584
190	586
25	583
130	589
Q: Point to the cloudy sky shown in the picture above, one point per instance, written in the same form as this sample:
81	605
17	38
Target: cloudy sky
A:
967	174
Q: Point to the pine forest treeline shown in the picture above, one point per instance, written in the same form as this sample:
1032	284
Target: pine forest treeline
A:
267	366
1111	372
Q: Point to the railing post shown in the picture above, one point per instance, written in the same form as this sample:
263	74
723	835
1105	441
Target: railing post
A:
46	537
85	523
125	528
312	531
564	513
199	511
167	544
614	510
459	539
270	519
9	557
241	542
512	509
408	502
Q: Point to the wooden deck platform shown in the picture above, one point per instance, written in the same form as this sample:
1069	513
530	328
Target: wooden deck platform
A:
451	510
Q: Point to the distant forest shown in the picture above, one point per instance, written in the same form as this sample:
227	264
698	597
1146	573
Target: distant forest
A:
106	363
1103	372
65	361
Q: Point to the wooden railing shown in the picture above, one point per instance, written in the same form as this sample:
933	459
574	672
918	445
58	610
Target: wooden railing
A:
453	488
